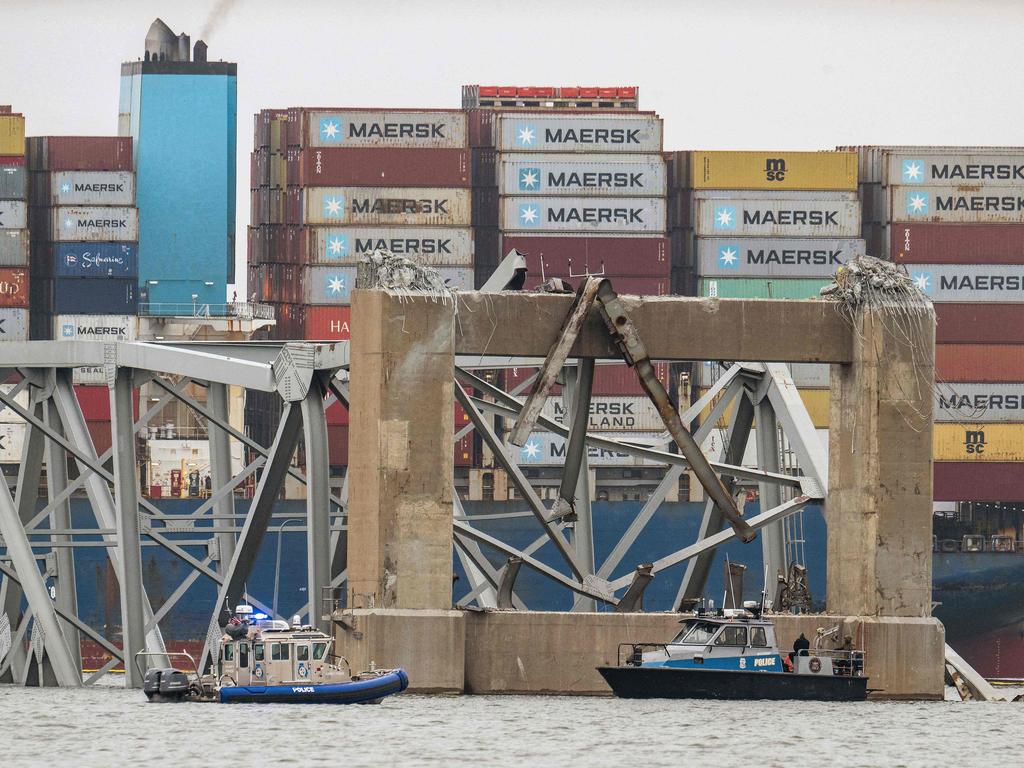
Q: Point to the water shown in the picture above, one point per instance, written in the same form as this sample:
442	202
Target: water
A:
111	727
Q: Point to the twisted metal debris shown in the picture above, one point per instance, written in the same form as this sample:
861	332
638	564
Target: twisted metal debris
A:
401	274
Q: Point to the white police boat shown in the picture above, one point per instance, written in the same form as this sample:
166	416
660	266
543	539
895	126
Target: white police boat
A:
265	661
733	654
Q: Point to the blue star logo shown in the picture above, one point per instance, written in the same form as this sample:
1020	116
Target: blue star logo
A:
337	287
334	206
913	171
923	281
331	129
529	179
526	135
725	217
917	203
529	215
67	331
729	256
337	246
532	451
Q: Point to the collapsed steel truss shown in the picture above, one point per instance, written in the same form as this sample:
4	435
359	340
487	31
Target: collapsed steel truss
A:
309	378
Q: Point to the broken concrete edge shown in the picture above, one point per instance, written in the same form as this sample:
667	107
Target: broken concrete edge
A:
557	653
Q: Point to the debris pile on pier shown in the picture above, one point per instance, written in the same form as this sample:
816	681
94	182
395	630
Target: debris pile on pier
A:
384	269
870	283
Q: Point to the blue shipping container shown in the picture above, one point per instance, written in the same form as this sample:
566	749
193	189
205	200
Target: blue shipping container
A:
86	296
96	259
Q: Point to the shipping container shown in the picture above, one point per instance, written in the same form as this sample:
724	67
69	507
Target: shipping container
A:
774	257
8	416
379	167
535	132
386	205
979	323
93	224
804	375
383	128
586	215
972	403
977	171
429	245
609	379
14	287
14	325
337	445
12	133
956	205
774	170
957	243
87	327
977	441
336	415
77	295
13	181
94	259
12	442
989	363
100	433
548	449
80	153
13	214
84	188
816	401
14	247
761	288
678	166
763	216
529	173
333	285
978	481
612	413
962	283
558	255
95	402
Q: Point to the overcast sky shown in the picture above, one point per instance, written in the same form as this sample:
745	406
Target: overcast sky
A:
724	75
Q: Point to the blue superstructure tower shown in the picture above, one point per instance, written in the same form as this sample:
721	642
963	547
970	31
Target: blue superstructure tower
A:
181	111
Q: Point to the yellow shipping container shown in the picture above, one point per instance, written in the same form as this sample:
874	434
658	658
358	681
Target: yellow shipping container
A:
774	170
815	400
979	442
12	135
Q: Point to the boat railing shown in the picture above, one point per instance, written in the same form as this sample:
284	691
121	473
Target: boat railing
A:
845	663
635	655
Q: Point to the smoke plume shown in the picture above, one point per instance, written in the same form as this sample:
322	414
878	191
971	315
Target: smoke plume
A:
219	12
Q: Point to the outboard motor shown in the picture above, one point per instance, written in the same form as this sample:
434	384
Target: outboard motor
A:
165	684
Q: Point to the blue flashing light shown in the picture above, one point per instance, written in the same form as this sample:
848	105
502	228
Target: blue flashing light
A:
260	616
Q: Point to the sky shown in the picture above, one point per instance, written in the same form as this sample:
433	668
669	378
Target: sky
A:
786	74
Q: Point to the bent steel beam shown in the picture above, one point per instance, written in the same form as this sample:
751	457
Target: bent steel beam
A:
318	530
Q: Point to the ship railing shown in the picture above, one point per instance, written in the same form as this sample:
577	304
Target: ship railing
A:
242	310
845	663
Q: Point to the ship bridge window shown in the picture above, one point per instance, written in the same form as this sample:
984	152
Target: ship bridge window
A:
302	652
757	637
243	655
279	651
319	649
257	651
229	652
696	632
732	636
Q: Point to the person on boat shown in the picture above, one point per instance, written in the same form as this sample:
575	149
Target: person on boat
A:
843	663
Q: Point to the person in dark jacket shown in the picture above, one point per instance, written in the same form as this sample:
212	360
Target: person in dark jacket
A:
800	644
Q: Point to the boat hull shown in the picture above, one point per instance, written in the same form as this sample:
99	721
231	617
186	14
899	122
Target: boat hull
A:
675	683
370	690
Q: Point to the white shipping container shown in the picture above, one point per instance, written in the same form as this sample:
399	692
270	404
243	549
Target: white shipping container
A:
528	173
766	217
805	375
771	194
548	449
998	169
588	215
92	188
12	442
612	413
979	403
956	205
398	206
535	132
7	416
774	256
429	245
386	129
970	283
13	214
14	248
94	224
13	324
94	328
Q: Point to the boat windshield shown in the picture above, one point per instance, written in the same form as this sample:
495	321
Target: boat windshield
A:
696	632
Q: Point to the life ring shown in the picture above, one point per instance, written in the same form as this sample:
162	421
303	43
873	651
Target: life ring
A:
258	672
814	664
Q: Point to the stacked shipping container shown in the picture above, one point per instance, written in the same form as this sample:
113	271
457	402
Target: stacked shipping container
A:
14	233
85	230
955	218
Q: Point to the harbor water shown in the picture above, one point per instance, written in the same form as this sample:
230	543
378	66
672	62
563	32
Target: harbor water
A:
108	726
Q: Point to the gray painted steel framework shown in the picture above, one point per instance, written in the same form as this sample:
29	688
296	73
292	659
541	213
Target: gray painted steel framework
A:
308	377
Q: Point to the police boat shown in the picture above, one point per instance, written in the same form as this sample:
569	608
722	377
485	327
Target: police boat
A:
267	661
733	654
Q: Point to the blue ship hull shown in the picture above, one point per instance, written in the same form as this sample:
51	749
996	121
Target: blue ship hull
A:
357	692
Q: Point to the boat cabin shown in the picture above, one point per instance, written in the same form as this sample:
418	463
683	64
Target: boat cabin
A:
734	639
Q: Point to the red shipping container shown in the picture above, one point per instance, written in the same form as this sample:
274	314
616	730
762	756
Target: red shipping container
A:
95	402
633	256
337	415
979	323
957	243
100	433
80	153
380	167
9	160
464	451
323	323
979	362
978	481
337	445
14	287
